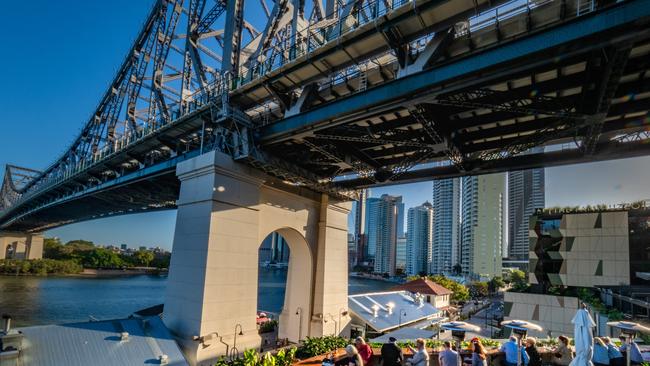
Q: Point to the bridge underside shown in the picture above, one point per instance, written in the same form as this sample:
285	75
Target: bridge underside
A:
588	100
539	88
155	193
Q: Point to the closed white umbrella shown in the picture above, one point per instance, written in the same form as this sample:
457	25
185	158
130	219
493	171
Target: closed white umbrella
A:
583	338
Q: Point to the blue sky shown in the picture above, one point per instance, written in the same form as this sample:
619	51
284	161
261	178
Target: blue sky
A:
59	57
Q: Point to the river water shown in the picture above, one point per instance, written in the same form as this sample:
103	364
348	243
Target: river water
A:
48	300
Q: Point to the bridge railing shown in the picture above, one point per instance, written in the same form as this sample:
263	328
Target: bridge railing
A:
314	36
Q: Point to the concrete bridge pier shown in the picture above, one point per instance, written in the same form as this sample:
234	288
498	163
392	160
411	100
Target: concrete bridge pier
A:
225	210
14	245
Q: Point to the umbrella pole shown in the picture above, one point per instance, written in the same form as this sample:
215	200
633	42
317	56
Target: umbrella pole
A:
519	351
628	356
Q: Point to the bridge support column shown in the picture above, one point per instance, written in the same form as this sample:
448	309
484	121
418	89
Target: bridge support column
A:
20	245
330	311
225	210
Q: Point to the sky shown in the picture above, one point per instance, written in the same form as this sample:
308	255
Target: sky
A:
59	58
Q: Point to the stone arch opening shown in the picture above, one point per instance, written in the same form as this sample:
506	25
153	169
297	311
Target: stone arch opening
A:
295	311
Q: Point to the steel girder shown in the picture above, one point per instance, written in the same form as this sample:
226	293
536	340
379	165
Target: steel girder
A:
14	180
153	85
598	101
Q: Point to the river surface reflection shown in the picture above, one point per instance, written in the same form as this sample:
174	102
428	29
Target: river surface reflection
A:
48	300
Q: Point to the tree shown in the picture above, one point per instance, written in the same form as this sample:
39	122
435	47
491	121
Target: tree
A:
53	248
80	245
518	280
458	269
143	257
478	289
461	293
103	258
161	260
496	283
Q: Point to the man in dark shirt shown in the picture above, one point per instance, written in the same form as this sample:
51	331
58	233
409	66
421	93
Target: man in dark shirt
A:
391	353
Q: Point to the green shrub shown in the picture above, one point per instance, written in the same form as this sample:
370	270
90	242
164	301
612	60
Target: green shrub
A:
39	266
317	346
284	357
268	326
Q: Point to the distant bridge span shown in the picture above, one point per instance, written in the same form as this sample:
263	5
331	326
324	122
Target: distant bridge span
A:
369	93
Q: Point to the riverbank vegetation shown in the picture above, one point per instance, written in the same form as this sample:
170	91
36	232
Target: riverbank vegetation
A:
39	267
73	256
88	255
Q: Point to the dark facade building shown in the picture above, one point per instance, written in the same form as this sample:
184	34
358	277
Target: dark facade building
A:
525	195
358	257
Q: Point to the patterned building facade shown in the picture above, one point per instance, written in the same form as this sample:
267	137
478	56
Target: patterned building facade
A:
580	250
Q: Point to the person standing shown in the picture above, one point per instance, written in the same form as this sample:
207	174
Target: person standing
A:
479	356
512	349
635	352
364	351
563	354
420	355
615	356
448	357
391	353
533	354
601	353
353	359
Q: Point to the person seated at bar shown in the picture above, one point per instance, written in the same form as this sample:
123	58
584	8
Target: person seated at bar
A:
533	354
420	355
615	356
635	352
563	354
448	357
391	353
364	351
601	353
511	350
353	357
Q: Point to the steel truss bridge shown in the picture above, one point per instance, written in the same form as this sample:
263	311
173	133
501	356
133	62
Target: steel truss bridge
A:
348	94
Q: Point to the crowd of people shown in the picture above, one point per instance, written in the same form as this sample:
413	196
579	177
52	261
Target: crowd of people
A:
605	353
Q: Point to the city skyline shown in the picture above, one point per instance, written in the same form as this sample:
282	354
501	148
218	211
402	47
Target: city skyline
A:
157	228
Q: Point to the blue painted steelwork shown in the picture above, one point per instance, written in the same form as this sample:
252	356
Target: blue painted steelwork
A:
624	13
145	173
